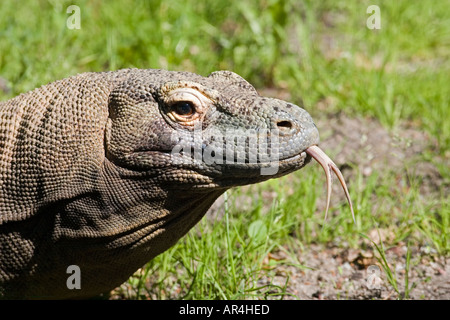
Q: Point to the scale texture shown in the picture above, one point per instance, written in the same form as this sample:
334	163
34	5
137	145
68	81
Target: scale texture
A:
89	177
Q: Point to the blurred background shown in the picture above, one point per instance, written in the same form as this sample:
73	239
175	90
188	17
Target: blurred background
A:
381	101
322	48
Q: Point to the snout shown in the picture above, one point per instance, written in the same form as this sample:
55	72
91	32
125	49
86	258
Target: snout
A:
295	128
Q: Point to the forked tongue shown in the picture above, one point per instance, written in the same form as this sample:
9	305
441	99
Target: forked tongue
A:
328	165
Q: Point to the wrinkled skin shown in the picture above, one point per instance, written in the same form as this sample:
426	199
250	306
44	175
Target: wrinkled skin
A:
107	170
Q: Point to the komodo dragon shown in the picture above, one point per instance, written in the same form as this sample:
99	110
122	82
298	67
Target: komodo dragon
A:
89	176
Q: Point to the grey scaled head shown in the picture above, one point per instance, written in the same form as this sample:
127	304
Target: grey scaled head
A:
218	130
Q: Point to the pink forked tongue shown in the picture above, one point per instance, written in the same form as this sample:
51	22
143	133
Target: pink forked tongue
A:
328	165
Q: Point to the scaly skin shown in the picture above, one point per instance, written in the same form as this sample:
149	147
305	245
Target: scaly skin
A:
88	178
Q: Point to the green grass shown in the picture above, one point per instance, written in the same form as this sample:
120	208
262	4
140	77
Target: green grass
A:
315	50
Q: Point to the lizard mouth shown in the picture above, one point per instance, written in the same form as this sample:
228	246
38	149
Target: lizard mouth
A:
247	173
328	165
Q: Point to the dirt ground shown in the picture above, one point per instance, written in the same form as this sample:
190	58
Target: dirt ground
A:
336	273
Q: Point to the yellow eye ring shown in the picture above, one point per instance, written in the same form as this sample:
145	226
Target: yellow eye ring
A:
185	105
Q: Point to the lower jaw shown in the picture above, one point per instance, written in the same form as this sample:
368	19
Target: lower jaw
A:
261	172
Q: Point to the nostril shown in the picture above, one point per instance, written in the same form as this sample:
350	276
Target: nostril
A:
284	124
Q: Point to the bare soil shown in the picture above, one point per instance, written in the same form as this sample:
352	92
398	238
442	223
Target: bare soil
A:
334	272
366	144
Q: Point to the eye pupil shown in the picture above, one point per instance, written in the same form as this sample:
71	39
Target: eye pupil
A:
184	108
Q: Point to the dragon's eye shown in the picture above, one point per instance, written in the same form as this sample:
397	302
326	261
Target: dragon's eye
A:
184	105
183	108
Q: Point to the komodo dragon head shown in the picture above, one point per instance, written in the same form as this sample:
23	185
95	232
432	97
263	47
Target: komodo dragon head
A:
104	171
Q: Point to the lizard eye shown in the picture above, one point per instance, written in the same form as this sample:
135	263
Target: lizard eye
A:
185	105
183	108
